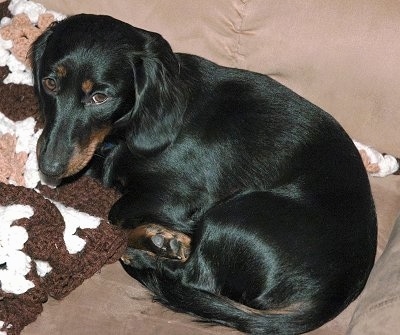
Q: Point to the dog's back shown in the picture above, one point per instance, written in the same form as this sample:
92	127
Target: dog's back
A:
296	244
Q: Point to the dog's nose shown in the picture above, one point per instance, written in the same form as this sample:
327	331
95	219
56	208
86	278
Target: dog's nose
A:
52	168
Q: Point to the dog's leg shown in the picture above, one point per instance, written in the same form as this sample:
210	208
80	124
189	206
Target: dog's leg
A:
155	203
160	241
136	259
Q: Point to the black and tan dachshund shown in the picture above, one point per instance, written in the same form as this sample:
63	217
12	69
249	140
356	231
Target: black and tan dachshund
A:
246	205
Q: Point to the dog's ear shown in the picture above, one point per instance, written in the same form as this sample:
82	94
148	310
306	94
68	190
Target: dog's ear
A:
160	96
35	56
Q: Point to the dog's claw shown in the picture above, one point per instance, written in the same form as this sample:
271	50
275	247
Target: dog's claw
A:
174	245
126	259
158	240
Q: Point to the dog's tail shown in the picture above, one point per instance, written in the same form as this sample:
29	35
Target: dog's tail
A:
221	310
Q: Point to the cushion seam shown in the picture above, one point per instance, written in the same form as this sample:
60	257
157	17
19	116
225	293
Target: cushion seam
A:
239	31
379	305
383	303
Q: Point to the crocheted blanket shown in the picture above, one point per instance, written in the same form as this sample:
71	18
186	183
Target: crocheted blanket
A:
51	240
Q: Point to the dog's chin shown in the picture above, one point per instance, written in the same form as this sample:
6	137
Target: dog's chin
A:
77	163
49	181
74	168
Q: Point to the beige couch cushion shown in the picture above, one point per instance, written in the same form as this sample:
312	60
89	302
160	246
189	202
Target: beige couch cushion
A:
379	308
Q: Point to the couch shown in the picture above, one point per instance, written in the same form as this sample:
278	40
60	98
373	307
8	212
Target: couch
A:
342	55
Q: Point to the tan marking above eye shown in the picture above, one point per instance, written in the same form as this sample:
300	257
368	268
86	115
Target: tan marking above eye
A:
87	86
61	71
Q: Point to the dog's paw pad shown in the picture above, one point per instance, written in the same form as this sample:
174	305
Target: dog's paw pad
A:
171	247
175	245
158	240
171	244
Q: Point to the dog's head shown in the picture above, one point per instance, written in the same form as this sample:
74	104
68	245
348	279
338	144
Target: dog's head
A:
93	75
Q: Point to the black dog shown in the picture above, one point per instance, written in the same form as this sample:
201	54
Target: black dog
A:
247	205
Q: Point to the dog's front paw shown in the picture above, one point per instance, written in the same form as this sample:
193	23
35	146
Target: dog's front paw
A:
171	244
160	241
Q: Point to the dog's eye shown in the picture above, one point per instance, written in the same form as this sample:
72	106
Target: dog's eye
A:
50	85
99	98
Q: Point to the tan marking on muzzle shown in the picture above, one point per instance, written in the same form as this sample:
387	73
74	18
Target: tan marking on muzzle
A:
82	155
87	86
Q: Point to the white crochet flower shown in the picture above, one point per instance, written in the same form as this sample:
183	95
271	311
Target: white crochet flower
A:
15	264
1	326
73	220
30	8
5	46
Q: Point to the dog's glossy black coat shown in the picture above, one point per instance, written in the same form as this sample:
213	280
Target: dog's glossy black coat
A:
268	186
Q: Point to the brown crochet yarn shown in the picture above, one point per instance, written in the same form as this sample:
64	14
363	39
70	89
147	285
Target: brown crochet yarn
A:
4	9
3	73
45	228
20	310
17	102
86	195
